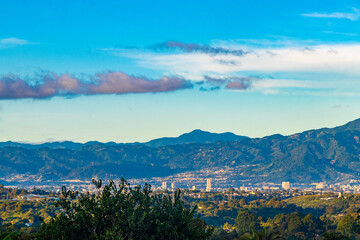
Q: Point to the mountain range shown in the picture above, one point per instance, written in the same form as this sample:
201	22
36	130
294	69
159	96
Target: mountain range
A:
327	154
196	136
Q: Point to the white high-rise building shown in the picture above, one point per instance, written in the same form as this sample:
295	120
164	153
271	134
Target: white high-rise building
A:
320	185
164	185
208	184
286	185
173	185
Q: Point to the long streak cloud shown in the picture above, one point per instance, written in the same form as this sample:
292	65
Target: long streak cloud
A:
51	85
353	16
201	48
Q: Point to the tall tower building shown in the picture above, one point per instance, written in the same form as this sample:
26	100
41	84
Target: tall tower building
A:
173	186
286	185
164	185
208	184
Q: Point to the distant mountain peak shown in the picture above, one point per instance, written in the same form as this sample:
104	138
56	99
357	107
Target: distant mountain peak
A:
195	136
195	131
199	131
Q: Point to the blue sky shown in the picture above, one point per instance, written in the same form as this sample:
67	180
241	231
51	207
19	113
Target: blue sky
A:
136	70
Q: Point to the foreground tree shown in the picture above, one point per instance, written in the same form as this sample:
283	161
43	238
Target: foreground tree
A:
122	212
334	236
264	234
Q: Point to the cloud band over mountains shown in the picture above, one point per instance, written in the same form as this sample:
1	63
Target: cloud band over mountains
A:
51	85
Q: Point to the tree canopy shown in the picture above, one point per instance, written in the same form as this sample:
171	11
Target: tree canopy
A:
246	221
122	212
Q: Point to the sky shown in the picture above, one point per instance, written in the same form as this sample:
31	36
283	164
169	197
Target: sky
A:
128	71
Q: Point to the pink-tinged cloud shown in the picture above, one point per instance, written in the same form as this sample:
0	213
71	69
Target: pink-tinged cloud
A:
239	83
51	85
236	83
118	82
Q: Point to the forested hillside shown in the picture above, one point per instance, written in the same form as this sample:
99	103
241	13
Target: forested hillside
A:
316	155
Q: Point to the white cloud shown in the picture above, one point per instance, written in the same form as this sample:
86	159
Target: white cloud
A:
321	68
343	59
341	33
12	42
353	16
285	83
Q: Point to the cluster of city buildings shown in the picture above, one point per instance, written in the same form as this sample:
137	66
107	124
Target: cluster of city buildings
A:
201	180
173	185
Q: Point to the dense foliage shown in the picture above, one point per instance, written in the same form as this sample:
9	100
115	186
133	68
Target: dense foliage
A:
303	217
122	212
